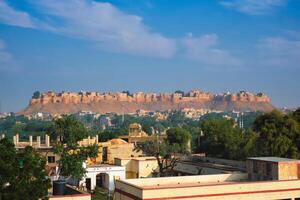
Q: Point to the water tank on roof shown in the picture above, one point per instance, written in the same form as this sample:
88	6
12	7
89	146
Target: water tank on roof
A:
59	187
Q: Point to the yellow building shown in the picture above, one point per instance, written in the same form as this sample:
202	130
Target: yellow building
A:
136	134
138	167
109	150
242	186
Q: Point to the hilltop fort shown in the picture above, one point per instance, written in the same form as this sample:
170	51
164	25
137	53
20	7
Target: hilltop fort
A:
124	102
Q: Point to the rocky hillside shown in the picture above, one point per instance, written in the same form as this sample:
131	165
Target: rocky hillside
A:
121	102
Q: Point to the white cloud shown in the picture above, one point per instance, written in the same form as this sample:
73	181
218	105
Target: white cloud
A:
254	7
203	49
115	31
105	24
13	17
279	52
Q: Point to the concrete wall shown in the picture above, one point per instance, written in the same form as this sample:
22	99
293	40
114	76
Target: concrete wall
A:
129	188
241	191
279	171
112	174
146	167
114	151
162	188
188	179
121	151
137	167
287	171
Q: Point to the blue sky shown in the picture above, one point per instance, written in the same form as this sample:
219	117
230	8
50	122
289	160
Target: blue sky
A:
149	45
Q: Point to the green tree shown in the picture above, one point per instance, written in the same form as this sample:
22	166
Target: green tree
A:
8	164
179	136
22	173
247	145
148	129
179	92
106	135
166	151
36	95
69	132
277	135
222	139
296	115
18	127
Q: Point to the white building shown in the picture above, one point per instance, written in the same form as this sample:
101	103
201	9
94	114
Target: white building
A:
102	176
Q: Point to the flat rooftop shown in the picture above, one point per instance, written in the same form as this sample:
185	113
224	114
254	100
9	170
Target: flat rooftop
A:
193	184
273	159
187	181
142	158
218	166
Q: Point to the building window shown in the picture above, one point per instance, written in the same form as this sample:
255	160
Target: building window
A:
104	154
51	159
255	167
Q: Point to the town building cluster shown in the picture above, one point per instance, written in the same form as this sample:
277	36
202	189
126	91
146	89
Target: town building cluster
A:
129	175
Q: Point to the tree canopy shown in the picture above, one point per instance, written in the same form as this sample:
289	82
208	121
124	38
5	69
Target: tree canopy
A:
69	132
180	137
273	134
221	139
22	173
165	152
278	135
36	95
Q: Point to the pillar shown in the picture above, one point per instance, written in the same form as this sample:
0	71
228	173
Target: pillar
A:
38	141
30	140
17	139
47	140
97	139
14	140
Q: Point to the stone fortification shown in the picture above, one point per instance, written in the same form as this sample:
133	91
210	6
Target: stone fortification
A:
120	102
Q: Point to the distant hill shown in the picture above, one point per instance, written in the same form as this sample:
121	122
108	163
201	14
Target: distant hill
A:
124	102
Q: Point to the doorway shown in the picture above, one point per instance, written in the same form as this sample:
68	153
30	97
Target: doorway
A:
102	180
88	184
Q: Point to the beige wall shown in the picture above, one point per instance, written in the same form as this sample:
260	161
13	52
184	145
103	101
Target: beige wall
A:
146	167
243	191
122	151
202	188
130	189
115	151
188	179
137	167
47	153
287	171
